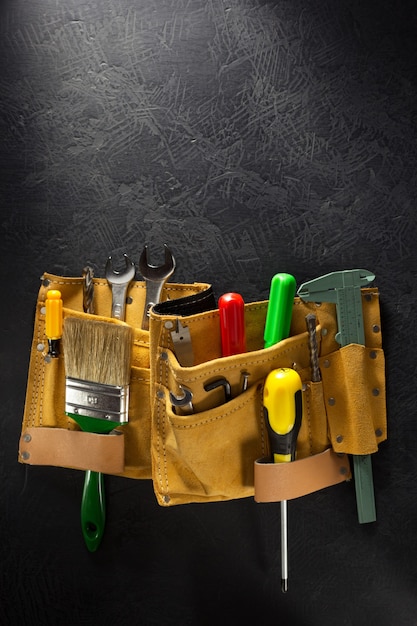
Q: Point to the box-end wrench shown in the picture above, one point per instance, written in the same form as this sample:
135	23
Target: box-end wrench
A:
119	282
344	289
155	278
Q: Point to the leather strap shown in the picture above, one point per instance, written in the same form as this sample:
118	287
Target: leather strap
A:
285	481
188	305
73	448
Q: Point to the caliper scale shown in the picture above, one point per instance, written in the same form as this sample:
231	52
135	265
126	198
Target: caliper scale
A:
344	289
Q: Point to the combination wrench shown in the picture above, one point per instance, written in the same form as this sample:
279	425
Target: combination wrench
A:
119	282
155	278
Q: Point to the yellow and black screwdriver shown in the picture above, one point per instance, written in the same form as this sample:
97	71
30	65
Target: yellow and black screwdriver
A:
283	408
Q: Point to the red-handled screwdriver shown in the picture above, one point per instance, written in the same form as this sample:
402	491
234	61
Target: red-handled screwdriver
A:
232	324
283	407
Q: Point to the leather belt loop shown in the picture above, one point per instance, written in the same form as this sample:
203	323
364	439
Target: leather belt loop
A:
285	481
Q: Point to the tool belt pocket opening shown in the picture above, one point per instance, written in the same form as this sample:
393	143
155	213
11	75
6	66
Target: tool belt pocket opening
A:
207	456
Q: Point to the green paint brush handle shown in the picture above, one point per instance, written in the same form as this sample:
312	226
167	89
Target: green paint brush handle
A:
93	510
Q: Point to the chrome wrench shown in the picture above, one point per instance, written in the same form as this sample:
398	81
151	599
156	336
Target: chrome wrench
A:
183	401
155	278
119	282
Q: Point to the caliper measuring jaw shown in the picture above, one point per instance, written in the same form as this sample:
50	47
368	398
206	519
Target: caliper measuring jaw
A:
343	288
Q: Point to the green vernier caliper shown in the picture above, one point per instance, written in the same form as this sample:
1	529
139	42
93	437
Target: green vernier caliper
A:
344	289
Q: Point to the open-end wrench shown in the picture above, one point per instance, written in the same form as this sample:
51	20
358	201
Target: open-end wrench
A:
155	278
183	401
119	282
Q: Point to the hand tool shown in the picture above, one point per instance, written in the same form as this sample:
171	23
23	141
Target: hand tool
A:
119	282
181	338
283	406
245	380
220	382
344	289
93	511
312	344
183	401
232	324
88	290
93	505
155	277
97	359
279	312
53	321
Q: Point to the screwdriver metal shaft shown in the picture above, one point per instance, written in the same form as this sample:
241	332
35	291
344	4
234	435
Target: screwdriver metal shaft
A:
284	546
283	406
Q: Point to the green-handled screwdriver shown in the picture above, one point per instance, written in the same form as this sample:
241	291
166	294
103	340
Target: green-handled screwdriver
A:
283	408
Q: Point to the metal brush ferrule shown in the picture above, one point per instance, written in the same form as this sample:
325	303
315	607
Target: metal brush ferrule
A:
103	402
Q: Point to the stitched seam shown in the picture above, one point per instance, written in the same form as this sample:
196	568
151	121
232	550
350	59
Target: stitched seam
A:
209	420
263	428
65	282
162	460
232	367
310	436
139	379
36	388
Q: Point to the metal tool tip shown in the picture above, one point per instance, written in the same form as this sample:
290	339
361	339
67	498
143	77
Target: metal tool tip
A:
284	585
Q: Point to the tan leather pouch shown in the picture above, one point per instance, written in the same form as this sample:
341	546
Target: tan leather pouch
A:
48	436
213	454
219	451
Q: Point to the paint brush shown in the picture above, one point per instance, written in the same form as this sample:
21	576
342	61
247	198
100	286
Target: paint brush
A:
97	358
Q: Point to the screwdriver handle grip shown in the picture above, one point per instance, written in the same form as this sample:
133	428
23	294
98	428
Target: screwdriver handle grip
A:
232	324
53	321
283	407
53	314
279	311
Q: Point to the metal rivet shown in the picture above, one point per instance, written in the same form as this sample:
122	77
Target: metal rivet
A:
326	363
40	347
43	310
324	332
332	401
164	356
46	282
375	392
47	358
129	300
376	328
160	394
166	498
25	456
378	432
339	438
318	304
169	325
27	437
372	354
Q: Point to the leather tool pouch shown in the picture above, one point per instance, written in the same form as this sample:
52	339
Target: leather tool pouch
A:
220	450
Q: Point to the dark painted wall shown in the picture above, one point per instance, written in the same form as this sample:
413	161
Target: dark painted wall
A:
253	137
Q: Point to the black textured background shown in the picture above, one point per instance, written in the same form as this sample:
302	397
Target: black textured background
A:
253	137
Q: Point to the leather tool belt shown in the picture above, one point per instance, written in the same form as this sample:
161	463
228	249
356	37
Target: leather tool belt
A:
219	450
